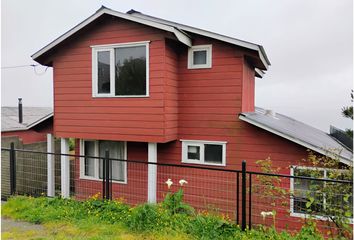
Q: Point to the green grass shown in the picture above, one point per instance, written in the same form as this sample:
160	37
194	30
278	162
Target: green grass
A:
95	219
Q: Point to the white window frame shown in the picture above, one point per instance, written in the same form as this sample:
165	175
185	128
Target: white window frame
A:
191	50
201	144
96	162
292	189
110	48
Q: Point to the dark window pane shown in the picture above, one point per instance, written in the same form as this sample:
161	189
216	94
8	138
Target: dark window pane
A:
103	72
89	162
213	153
116	151
130	71
194	152
199	57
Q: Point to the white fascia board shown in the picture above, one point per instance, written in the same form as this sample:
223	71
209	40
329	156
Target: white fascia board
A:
68	34
179	35
40	120
259	73
217	36
295	140
183	38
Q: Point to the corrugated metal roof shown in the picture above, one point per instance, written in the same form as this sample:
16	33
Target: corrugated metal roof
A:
31	117
299	132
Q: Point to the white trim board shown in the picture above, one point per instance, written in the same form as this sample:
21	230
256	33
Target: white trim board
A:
177	29
182	37
241	43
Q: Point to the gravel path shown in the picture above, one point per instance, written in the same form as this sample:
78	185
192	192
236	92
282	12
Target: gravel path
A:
8	225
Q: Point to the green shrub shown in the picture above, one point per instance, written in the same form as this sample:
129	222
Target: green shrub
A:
106	211
143	218
173	202
212	227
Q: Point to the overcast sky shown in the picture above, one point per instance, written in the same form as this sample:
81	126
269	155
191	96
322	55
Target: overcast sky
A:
309	43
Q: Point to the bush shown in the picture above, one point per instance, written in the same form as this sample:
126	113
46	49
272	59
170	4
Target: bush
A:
147	219
173	202
143	218
212	227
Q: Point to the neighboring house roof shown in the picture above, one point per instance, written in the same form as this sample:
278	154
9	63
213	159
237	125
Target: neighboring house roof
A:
179	30
31	117
298	132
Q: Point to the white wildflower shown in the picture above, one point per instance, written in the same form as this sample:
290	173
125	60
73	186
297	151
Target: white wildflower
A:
182	181
169	183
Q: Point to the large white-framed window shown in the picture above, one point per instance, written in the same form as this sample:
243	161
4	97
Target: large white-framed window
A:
120	70
204	152
303	189
91	167
200	56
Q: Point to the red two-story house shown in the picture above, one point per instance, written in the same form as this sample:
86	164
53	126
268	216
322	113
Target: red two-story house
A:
153	90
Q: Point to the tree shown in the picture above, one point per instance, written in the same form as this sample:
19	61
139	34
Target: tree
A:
347	112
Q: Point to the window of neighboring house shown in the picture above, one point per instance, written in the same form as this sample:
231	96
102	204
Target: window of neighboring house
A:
199	56
120	70
92	168
303	189
204	152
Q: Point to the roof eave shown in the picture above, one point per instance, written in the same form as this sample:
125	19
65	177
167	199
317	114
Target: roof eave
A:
182	37
261	52
25	128
342	159
259	73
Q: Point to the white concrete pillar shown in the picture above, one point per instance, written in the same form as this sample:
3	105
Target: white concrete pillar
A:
152	172
65	168
50	166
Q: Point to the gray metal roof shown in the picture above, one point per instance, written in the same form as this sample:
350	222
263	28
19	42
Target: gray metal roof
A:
31	117
298	132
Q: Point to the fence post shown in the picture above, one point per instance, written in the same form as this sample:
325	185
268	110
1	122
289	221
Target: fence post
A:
12	169
250	201
50	166
103	178
243	198
65	168
237	196
107	175
152	172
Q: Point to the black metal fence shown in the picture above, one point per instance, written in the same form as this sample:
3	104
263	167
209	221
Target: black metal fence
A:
246	197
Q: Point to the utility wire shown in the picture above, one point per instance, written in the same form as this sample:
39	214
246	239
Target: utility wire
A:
20	66
31	65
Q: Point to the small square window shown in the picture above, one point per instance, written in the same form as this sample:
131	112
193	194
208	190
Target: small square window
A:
199	56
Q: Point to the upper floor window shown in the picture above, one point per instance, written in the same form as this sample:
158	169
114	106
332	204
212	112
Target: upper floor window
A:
204	152
120	70
199	56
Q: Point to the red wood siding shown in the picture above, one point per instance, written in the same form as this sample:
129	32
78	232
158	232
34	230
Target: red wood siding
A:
171	92
78	114
133	192
248	88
